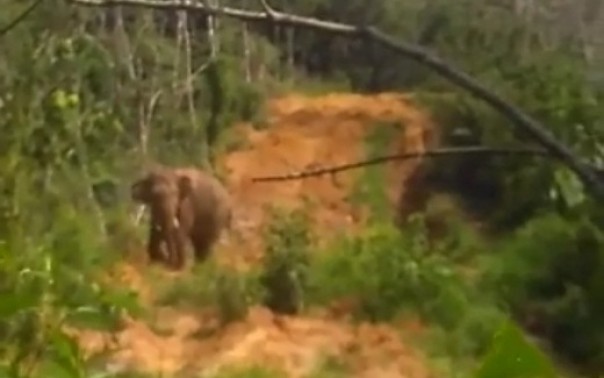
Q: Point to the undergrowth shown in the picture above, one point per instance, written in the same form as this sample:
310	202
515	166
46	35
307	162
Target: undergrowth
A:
461	286
212	285
370	190
254	371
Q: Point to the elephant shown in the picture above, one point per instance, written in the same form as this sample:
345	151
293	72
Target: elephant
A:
186	204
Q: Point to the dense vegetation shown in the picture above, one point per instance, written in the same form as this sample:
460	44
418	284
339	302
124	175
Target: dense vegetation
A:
88	95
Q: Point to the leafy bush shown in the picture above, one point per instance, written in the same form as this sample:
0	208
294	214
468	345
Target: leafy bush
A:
550	274
286	262
210	285
389	272
511	355
369	189
41	295
231	98
508	190
330	367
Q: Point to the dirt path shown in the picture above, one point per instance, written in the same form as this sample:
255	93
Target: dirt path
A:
302	132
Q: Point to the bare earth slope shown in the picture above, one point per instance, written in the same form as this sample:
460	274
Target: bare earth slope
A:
302	132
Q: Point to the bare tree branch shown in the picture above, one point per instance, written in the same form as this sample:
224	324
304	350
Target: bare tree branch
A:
415	53
441	152
212	27
17	20
236	13
178	88
270	12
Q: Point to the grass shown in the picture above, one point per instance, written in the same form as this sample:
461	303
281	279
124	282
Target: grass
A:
370	189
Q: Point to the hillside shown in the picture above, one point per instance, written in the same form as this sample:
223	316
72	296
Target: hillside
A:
301	132
500	267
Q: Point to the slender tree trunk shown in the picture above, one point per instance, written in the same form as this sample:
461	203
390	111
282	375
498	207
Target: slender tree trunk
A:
126	51
212	29
246	53
183	27
84	169
289	35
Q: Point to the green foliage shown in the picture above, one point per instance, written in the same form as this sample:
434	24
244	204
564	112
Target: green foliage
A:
389	272
286	261
510	190
505	190
79	95
550	274
511	356
211	285
330	367
249	372
231	98
448	230
370	189
40	296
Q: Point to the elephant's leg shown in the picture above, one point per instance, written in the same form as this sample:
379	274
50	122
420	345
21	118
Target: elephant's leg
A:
154	245
202	245
179	251
176	246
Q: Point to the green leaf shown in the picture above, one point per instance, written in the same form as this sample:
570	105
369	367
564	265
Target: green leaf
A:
569	187
512	356
13	302
91	318
65	358
53	368
5	372
123	299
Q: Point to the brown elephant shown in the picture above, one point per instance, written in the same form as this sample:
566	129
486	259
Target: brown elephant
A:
186	204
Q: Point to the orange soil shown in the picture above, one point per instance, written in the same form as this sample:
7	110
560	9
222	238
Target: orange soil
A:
302	133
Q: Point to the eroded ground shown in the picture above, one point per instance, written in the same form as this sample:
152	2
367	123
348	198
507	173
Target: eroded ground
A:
301	133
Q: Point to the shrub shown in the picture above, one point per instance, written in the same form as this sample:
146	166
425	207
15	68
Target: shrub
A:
369	189
330	367
550	274
387	272
285	265
511	355
40	295
209	285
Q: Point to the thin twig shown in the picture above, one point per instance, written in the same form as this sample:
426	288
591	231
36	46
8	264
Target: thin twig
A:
11	25
156	96
442	152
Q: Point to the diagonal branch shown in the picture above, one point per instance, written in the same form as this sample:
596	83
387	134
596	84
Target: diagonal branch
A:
441	152
521	119
270	12
21	17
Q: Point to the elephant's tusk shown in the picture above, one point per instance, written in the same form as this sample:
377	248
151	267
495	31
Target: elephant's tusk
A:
139	214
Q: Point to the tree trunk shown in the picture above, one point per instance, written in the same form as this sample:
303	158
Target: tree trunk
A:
212	30
246	53
289	35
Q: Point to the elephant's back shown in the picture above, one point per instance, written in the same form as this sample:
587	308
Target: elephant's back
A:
213	199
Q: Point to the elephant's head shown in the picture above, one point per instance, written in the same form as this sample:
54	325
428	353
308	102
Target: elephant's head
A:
159	190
